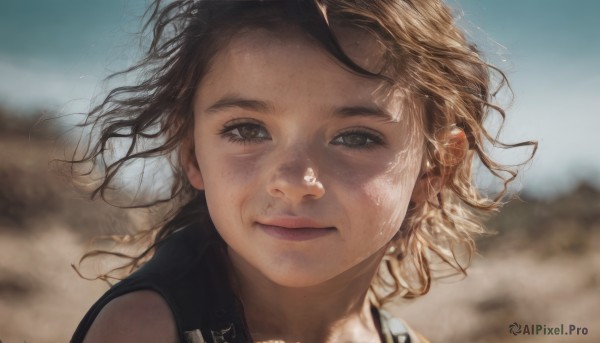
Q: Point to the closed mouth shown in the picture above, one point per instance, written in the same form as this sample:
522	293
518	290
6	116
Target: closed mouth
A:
293	222
296	233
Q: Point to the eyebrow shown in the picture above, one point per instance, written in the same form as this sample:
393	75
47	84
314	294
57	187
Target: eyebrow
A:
234	101
362	111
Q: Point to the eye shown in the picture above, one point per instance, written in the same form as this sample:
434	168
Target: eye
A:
245	132
358	139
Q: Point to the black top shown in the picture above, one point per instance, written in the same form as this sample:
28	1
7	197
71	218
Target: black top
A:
188	271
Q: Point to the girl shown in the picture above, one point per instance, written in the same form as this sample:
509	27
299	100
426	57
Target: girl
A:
321	152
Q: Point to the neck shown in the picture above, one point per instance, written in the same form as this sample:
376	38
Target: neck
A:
337	310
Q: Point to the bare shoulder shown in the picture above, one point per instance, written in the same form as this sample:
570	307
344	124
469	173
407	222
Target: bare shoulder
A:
141	316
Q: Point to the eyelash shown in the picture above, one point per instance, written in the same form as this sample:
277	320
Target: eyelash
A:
373	140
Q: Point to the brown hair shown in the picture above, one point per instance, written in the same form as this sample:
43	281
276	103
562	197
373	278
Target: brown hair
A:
425	54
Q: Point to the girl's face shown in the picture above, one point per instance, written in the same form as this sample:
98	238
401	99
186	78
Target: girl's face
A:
308	169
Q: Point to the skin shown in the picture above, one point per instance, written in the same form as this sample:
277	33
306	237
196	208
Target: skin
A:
141	316
282	131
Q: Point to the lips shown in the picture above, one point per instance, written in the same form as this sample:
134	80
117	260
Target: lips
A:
291	222
294	228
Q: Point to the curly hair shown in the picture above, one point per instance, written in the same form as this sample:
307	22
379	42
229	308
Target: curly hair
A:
426	56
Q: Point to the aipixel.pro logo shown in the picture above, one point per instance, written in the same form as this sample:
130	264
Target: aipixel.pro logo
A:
547	330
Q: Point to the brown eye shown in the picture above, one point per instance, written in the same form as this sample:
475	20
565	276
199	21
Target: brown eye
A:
251	131
245	133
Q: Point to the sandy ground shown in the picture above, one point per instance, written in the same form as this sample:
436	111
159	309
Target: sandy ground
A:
42	298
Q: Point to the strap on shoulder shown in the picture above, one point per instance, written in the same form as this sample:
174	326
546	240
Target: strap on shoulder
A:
394	330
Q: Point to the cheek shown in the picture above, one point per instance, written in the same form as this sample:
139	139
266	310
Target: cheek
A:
386	203
378	195
391	200
375	211
229	189
225	171
228	178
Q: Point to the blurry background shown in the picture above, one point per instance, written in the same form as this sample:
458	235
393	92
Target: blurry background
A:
541	268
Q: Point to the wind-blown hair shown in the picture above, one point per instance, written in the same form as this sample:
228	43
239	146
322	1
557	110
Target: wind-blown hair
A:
444	78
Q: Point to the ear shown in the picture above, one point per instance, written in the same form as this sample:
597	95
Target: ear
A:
190	165
454	146
454	150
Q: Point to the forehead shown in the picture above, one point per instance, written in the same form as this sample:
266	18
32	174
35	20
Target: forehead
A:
358	45
287	63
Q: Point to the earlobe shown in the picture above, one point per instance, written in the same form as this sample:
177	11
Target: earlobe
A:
190	165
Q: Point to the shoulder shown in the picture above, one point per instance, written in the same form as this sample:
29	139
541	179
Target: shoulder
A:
140	316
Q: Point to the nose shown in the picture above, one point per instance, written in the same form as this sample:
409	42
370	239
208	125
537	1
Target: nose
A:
296	180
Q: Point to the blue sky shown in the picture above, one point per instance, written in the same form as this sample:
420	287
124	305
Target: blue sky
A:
54	54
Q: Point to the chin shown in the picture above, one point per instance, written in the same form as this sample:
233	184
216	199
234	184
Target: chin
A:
298	271
296	280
